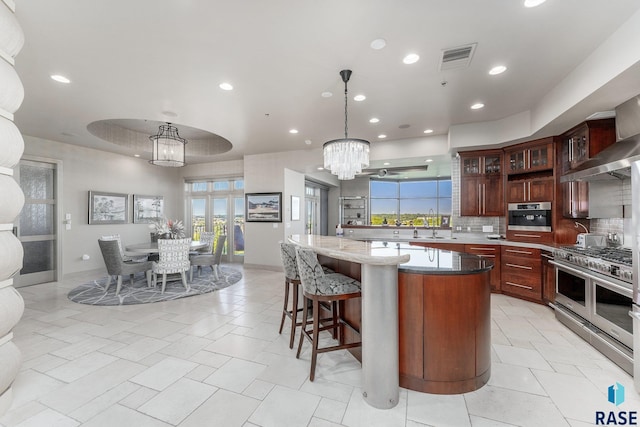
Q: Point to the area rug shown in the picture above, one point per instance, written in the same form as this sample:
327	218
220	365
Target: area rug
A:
94	292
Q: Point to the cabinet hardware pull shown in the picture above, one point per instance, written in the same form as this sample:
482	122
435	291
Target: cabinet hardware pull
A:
524	267
483	249
528	235
519	286
515	251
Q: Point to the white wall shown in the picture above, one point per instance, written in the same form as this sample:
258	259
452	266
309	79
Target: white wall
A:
276	172
85	169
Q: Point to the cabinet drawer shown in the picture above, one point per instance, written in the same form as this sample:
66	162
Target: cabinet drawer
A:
515	251
529	268
482	249
521	286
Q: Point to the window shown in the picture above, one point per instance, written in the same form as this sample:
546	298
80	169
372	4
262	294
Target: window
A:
419	203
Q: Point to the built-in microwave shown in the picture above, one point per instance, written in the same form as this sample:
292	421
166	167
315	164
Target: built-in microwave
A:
529	216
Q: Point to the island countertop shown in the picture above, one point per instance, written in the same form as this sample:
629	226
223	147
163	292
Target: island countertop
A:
411	259
372	253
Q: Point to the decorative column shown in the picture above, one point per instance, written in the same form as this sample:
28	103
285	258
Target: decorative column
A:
11	149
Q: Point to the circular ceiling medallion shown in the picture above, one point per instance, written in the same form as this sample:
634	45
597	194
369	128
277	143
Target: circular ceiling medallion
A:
135	133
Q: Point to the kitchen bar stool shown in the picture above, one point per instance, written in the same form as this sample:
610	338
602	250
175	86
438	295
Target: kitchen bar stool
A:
291	279
318	288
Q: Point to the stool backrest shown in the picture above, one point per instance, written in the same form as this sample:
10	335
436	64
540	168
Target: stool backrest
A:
311	274
288	255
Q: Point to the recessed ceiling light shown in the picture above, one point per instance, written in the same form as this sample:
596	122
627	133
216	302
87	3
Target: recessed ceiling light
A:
477	106
60	79
412	58
359	98
320	168
374	120
378	44
307	141
429	160
169	114
533	3
225	86
293	130
428	131
498	69
386	164
136	155
326	94
382	136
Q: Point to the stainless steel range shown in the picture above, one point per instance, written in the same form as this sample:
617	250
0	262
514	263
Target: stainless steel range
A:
594	294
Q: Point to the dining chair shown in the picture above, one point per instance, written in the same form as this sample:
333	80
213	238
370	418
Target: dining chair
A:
210	259
319	287
116	266
173	259
125	256
206	237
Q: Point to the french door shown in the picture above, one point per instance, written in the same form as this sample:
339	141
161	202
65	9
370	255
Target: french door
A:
36	225
222	214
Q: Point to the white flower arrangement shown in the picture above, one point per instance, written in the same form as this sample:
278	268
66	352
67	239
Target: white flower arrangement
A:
174	228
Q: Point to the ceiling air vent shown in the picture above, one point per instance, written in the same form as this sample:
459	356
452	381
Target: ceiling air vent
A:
457	57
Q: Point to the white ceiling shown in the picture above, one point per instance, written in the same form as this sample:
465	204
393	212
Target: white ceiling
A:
137	60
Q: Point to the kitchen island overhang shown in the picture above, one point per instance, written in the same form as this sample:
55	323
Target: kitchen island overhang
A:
392	324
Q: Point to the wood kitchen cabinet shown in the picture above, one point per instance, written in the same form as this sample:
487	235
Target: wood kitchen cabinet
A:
481	183
528	157
530	190
584	141
575	199
579	144
521	273
491	252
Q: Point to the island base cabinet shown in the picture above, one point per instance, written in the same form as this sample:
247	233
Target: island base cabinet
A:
445	332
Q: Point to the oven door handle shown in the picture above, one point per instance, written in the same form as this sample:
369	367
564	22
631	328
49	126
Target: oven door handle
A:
613	286
569	269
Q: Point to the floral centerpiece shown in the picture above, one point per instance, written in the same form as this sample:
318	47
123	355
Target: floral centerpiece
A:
168	229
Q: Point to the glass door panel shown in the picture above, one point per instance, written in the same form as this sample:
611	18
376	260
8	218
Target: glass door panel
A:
238	226
220	219
198	217
36	224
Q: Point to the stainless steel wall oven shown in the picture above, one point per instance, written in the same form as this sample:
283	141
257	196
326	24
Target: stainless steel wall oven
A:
534	216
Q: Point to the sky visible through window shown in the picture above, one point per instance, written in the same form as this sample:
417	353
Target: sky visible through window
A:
419	203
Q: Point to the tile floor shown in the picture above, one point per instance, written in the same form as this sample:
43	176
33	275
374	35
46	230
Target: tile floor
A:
217	360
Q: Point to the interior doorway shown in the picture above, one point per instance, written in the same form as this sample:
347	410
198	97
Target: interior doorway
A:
36	226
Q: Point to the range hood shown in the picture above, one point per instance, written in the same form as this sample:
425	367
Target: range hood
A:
615	161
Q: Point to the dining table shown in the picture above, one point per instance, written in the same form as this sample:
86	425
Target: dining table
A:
152	247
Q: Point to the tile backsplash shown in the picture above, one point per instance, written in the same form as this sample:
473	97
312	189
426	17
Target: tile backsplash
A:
619	226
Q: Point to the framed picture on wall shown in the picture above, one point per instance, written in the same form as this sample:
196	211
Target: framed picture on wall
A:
263	207
295	208
147	209
108	208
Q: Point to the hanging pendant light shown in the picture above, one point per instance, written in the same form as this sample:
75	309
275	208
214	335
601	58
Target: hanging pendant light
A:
346	156
168	147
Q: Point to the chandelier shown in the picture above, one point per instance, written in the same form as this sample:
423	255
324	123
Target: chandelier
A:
346	156
168	147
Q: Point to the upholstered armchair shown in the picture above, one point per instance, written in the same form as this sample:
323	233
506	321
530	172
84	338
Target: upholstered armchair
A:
210	259
116	266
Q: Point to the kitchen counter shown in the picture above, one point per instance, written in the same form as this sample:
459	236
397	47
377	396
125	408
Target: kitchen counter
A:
456	238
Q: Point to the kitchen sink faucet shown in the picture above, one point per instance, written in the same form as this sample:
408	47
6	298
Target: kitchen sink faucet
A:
432	222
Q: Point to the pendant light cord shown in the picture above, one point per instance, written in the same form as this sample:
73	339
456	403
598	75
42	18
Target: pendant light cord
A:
346	127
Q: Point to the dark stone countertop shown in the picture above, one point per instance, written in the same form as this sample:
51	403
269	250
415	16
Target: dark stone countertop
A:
425	260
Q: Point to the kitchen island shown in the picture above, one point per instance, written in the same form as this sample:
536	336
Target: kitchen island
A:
424	316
